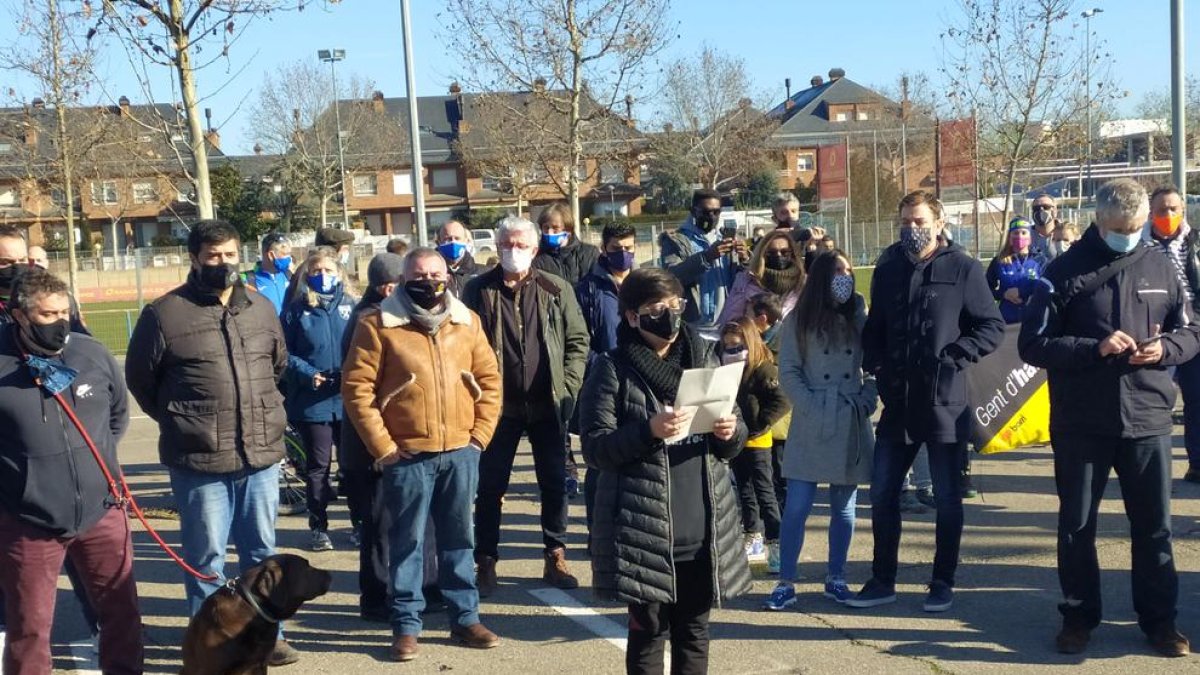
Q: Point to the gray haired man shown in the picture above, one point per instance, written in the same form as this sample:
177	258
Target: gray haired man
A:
1106	321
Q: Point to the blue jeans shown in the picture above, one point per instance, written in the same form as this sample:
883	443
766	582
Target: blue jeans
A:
800	494
892	461
216	506
440	485
1188	376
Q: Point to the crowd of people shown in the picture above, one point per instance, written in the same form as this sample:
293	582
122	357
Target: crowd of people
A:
415	394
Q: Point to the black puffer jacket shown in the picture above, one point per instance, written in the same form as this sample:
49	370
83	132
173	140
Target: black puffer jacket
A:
352	452
761	400
571	261
631	528
207	373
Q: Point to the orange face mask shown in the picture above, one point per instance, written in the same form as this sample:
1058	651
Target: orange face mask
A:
1168	225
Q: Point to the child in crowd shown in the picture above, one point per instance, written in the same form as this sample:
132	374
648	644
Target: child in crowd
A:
762	404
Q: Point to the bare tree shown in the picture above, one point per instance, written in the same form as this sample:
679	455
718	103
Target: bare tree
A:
708	100
294	117
174	33
565	53
1018	66
61	68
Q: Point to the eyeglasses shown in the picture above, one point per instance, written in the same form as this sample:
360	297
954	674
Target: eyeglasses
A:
656	310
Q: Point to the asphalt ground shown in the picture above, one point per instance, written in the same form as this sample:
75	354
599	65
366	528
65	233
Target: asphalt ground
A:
1004	618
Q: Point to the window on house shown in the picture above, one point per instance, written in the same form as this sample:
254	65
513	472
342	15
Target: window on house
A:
8	197
6	148
805	161
104	192
612	173
494	183
145	192
537	175
841	117
402	183
365	185
863	115
445	178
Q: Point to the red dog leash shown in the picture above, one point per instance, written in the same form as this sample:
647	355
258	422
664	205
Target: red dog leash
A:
124	496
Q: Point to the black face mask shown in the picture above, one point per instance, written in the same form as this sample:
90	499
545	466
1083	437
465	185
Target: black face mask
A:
666	326
705	220
425	293
776	261
8	275
51	337
217	277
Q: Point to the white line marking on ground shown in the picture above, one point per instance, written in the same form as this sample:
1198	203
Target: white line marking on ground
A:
86	661
139	417
585	616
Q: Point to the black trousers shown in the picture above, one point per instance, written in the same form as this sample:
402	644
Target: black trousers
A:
495	470
684	622
756	492
318	439
369	509
777	472
1082	464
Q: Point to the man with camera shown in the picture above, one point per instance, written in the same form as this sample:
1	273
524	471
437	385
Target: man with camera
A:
703	258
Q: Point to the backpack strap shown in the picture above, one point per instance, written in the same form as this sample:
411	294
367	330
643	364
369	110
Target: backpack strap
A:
1102	276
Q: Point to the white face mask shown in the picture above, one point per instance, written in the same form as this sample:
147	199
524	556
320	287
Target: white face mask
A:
516	260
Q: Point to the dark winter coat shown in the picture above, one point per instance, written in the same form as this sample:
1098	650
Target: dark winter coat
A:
927	323
597	295
48	476
352	452
1106	396
631	547
571	261
761	400
467	270
314	337
208	374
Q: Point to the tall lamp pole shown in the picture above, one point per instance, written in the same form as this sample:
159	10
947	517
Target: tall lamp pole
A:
414	129
332	56
1087	89
1178	123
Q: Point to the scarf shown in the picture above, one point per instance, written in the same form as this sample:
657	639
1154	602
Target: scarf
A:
780	282
1176	250
430	321
662	373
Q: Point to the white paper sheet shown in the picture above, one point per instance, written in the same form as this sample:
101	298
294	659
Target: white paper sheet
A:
709	394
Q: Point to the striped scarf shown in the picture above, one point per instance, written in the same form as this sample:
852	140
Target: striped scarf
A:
1176	250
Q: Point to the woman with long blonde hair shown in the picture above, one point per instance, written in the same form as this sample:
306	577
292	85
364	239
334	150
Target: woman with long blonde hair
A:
775	267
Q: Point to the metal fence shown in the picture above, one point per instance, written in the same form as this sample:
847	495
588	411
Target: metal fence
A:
112	327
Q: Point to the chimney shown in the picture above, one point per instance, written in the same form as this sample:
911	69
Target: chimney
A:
123	103
377	101
258	149
789	104
38	104
539	85
787	85
836	74
455	89
629	110
816	81
208	118
213	138
31	132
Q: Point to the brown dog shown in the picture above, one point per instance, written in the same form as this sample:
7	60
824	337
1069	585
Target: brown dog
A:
235	629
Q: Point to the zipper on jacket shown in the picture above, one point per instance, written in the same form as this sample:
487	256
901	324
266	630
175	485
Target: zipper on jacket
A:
435	347
62	424
714	548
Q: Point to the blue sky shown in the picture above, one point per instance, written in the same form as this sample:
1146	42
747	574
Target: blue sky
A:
873	40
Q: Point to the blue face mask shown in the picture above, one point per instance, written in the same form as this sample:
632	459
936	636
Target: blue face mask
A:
283	263
322	282
1122	243
618	261
556	240
452	250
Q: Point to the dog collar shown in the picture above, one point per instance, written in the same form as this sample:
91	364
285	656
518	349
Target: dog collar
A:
235	586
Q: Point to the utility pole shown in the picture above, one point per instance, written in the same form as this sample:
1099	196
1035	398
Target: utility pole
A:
1178	119
1087	90
332	56
904	133
420	225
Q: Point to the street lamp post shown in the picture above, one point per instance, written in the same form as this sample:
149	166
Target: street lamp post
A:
1179	156
1087	89
332	56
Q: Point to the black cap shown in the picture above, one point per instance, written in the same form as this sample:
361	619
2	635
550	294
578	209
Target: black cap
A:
331	236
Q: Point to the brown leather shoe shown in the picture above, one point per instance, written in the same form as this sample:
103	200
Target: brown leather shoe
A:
555	571
485	576
404	648
1170	642
475	636
1072	639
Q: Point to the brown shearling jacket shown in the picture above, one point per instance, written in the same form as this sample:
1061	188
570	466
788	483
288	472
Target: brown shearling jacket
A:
406	389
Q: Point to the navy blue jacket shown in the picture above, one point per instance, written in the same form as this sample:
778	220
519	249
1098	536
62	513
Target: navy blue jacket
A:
1019	273
314	344
597	293
928	321
1106	396
48	476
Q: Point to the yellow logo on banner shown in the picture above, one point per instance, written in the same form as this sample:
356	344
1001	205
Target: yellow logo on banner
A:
1030	425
